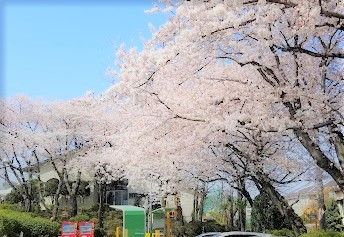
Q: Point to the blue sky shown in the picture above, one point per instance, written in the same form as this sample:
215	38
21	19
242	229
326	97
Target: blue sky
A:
60	51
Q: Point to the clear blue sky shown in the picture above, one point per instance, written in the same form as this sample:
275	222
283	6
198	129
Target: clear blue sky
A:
60	51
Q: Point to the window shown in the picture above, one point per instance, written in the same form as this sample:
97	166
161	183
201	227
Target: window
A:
117	197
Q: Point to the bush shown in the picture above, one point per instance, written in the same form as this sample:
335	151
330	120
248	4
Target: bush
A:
99	232
7	227
193	228
213	226
282	232
112	220
178	228
323	234
9	206
80	217
13	222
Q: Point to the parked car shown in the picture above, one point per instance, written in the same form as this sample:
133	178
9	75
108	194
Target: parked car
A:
234	234
209	234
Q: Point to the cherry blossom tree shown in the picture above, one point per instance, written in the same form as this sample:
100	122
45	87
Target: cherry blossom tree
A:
270	67
20	162
295	52
57	133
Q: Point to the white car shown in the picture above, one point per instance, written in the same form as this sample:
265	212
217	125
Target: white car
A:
234	234
209	234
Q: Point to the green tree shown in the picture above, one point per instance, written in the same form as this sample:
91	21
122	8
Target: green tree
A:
333	219
16	195
50	187
265	215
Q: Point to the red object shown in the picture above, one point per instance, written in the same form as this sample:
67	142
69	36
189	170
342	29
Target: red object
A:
172	214
86	229
69	229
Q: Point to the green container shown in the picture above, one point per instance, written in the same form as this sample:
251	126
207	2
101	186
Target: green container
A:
134	220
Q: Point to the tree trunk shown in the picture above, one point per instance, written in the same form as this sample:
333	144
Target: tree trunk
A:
42	196
96	192
72	189
179	210
241	207
317	154
242	219
101	207
231	213
73	203
247	195
27	203
295	222
195	205
201	205
320	158
337	140
56	201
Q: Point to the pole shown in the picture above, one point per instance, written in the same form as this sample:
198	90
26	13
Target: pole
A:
150	216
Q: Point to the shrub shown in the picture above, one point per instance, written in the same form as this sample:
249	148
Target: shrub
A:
80	217
112	220
282	232
7	227
13	222
193	228
99	232
9	206
178	228
323	234
213	226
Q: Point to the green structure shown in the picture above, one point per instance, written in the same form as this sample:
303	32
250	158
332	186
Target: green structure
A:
134	220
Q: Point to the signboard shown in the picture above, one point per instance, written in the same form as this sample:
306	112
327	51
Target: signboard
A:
172	214
86	229
69	229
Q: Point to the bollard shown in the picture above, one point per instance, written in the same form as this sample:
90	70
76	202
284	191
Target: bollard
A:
125	232
118	232
157	233
147	235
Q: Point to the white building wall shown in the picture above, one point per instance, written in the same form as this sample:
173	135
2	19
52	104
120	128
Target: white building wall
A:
186	202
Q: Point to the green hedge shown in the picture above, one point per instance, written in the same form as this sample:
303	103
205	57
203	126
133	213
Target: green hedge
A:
14	222
282	232
323	234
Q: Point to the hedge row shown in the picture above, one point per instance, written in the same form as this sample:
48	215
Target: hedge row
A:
312	233
323	234
14	222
